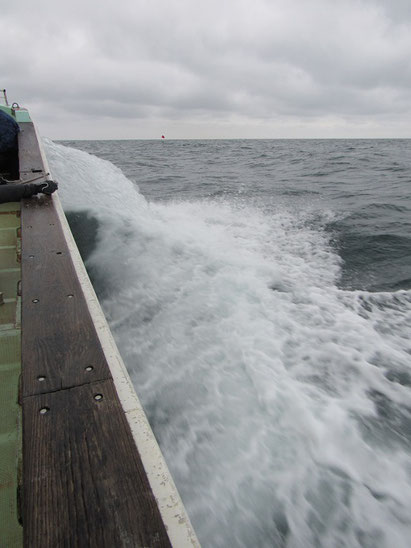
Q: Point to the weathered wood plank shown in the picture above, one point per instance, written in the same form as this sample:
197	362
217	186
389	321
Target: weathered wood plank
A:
83	480
30	160
84	483
60	346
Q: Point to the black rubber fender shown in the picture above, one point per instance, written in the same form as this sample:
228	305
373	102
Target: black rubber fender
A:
13	192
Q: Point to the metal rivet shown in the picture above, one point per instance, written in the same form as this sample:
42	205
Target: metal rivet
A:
41	378
89	368
44	410
31	256
35	301
70	296
98	397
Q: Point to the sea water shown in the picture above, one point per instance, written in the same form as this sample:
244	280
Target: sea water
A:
260	295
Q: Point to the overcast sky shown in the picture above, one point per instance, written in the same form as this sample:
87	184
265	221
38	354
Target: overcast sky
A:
212	69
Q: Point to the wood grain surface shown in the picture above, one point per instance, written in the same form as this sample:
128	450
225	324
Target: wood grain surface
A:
30	160
83	480
60	343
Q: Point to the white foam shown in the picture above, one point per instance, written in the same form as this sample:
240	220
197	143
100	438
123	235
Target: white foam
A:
265	384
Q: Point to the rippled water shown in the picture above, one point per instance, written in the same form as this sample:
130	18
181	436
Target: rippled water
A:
259	292
365	183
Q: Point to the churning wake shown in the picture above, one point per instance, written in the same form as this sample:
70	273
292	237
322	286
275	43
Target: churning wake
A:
282	403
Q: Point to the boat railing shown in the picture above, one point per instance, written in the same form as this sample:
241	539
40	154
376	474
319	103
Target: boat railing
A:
4	97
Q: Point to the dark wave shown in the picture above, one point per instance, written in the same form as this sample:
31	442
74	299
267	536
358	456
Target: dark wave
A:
84	227
375	262
386	206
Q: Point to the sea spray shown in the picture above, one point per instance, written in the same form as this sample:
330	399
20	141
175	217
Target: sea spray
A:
280	401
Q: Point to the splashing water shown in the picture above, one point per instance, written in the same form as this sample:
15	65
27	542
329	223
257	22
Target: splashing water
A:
281	402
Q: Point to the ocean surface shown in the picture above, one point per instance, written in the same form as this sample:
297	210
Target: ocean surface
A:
260	295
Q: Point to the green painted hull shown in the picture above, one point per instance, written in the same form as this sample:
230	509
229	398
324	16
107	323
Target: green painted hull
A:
10	369
21	115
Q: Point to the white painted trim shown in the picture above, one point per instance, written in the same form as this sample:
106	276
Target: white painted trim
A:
175	518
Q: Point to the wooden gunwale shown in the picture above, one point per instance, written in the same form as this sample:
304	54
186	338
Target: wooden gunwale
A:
84	483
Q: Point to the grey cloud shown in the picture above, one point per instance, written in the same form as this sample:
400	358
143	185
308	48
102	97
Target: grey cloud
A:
255	62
